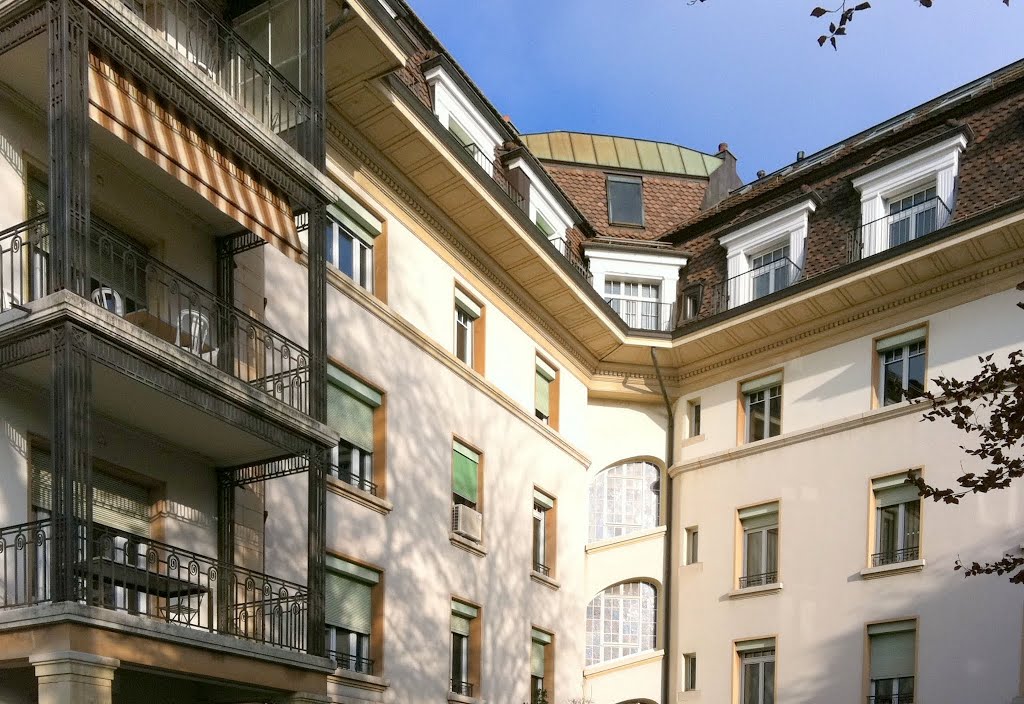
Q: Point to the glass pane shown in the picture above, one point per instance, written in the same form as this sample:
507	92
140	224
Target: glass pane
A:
762	285
774	415
924	222
899	231
888	518
751	683
755	417
769	682
915	374
911	525
773	553
754	554
892	382
624	202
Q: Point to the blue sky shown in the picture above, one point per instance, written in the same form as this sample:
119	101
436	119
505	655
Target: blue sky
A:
746	72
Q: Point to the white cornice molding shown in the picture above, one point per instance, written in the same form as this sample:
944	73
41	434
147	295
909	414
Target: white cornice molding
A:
772	225
921	164
438	76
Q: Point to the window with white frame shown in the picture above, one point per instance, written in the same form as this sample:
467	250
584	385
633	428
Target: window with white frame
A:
543	515
757	671
892	649
770	271
625	499
350	254
897	521
908	198
348	610
621	621
902	366
760	547
625	200
762	407
637	303
467	313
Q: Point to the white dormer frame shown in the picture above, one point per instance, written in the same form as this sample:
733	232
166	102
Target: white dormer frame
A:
936	165
543	201
786	227
661	268
450	102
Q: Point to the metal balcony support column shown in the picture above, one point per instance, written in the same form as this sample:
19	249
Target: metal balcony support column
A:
71	434
315	149
316	563
225	546
69	146
317	274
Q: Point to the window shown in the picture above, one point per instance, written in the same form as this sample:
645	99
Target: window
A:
467	520
638	304
350	251
349	597
276	30
621	621
460	132
543	533
901	364
692	554
760	526
892	651
689	672
911	216
762	407
541	665
897	521
465	663
546	393
546	227
693	413
771	271
625	499
468	330
757	671
625	200
353	411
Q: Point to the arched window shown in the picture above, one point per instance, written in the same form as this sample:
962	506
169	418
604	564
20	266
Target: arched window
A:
621	621
624	499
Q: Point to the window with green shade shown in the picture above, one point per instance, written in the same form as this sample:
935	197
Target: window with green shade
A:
540	651
544	382
465	475
892	668
348	614
351	407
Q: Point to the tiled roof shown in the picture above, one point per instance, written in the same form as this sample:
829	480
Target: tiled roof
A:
620	153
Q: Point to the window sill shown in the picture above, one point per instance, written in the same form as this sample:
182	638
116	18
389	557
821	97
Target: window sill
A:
364	498
893	569
462	699
762	590
467	545
692	440
545	580
358	680
689	694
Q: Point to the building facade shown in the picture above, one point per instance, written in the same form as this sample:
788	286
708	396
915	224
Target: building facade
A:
321	383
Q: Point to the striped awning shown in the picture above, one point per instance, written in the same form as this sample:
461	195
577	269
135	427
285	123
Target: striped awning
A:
134	115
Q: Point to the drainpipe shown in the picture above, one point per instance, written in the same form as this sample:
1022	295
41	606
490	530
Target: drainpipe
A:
666	584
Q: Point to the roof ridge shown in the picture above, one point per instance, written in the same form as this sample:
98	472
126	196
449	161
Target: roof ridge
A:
619	136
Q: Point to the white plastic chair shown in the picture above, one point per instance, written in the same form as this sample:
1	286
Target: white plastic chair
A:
110	299
196	325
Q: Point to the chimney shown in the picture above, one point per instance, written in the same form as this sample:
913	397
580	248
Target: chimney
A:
723	180
800	156
762	173
723	147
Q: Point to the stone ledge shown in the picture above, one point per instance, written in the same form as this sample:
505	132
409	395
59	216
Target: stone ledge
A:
359	496
762	590
468	545
544	580
893	569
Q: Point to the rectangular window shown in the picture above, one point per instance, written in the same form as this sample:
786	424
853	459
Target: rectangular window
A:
897	521
465	630
691	305
541	652
546	393
625	200
912	215
762	407
639	304
690	672
546	227
757	671
693	412
353	411
760	564
892	651
467	520
460	132
902	366
692	545
543	533
349	595
468	330
771	271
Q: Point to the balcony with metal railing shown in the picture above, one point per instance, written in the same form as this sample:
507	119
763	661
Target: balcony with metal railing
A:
759	580
464	689
892	557
351	663
897	228
133	574
642	314
756	283
126	281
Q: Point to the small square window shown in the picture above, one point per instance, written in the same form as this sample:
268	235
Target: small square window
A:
625	200
692	553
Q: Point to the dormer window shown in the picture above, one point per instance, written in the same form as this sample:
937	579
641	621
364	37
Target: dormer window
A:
907	199
625	200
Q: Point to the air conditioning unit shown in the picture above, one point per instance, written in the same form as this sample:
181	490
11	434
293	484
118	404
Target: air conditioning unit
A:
467	522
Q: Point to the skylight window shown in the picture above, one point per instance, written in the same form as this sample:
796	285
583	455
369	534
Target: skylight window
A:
625	200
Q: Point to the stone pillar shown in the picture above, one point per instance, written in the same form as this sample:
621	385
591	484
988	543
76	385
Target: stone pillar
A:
69	677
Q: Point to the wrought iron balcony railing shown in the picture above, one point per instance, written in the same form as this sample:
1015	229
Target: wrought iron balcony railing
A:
754	284
896	229
121	571
564	247
891	557
496	171
541	568
128	282
891	699
351	663
207	42
463	688
759	580
644	315
352	478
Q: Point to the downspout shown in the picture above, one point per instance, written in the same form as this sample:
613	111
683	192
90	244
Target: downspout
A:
666	584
